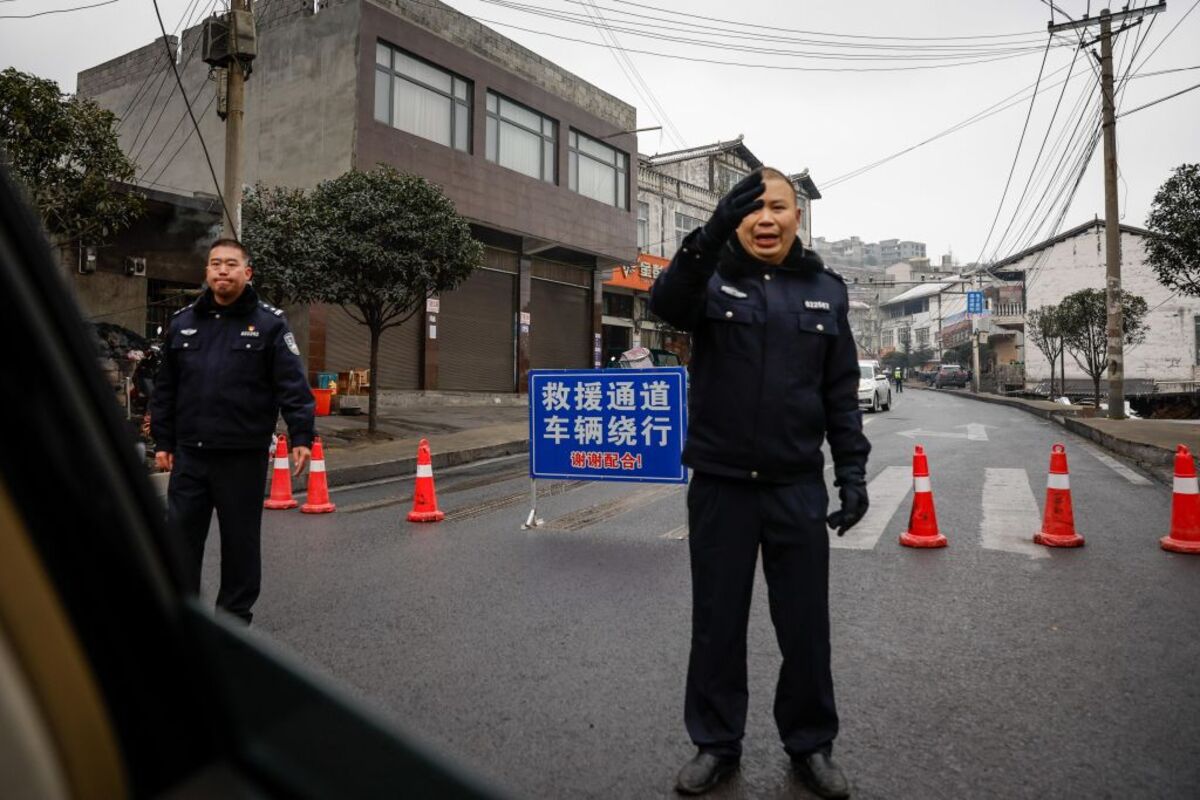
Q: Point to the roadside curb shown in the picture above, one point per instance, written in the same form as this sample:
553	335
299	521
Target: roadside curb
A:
1158	462
359	473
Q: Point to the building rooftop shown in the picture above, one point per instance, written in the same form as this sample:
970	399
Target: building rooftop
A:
1062	237
924	290
734	146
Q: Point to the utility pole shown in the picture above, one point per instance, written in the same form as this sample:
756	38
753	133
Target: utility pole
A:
975	346
1112	221
230	44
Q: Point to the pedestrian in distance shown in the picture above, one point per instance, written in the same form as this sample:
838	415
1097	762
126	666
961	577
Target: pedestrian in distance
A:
898	376
230	366
774	372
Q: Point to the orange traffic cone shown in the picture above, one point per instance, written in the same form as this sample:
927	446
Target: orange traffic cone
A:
318	486
922	520
424	497
1058	524
1185	507
281	478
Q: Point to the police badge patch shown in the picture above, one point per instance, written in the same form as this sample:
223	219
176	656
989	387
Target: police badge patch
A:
290	341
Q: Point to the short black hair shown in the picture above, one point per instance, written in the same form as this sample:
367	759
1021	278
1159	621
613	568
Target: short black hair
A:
228	242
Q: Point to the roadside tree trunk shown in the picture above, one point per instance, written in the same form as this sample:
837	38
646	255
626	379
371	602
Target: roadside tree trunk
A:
373	395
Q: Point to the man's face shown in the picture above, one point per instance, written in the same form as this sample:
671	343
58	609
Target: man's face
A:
767	234
227	273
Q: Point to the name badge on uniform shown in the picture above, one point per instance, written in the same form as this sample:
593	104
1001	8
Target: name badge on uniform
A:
816	305
250	331
732	292
188	331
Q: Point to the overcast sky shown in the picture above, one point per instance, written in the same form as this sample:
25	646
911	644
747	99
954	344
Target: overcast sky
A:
944	193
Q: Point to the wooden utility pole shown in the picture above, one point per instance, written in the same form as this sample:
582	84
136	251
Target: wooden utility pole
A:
235	105
1112	221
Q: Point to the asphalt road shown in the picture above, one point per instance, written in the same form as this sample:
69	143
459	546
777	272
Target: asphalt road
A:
552	661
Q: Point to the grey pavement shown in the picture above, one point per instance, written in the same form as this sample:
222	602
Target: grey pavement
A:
552	661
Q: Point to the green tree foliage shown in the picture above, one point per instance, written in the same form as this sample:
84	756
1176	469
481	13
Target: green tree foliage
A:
1174	252
65	151
280	229
1042	328
1082	319
375	243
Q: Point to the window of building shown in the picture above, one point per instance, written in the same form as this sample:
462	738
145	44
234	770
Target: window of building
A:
520	138
685	224
422	99
618	305
888	340
726	177
922	337
643	232
163	299
598	170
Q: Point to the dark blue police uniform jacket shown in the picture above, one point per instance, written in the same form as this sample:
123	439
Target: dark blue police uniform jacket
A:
774	368
227	373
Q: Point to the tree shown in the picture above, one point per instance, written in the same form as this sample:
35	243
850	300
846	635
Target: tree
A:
1174	251
1082	319
1042	328
375	243
279	226
65	151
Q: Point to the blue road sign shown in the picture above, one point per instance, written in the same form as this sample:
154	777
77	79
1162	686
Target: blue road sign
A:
974	302
608	424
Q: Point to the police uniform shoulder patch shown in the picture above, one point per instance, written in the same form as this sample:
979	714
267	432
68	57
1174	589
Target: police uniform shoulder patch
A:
278	312
290	341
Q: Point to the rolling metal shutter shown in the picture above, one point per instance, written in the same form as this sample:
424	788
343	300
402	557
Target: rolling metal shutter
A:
561	310
348	346
475	331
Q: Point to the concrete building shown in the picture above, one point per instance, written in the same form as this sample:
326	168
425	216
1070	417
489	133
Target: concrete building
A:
676	193
915	318
540	162
1075	259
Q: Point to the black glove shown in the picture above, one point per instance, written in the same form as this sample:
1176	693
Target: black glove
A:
854	505
744	198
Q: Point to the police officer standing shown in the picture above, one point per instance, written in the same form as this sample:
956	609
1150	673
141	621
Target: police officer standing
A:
230	366
899	378
774	372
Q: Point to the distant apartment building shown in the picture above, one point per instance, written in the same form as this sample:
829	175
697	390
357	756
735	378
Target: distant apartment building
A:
541	163
854	252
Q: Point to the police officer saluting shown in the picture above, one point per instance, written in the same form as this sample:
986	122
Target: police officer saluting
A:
774	372
231	366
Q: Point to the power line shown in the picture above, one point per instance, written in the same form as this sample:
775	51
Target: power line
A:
57	11
1017	155
1159	100
195	124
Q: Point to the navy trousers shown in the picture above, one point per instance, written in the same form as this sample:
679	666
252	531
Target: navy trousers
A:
728	522
232	482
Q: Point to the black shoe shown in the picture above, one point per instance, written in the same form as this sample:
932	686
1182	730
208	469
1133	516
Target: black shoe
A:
704	772
822	775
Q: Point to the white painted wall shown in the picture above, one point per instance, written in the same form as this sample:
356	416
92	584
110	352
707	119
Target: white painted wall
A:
1169	352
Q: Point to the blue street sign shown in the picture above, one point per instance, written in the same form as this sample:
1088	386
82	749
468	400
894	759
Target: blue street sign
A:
974	302
608	424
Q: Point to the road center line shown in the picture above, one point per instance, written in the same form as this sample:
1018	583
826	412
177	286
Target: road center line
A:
1010	513
1117	467
887	491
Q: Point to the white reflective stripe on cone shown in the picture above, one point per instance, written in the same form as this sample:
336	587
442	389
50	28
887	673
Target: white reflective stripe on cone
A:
1057	481
922	484
281	463
317	466
1186	485
424	470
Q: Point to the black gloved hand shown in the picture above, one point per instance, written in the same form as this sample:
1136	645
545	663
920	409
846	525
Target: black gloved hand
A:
853	495
744	198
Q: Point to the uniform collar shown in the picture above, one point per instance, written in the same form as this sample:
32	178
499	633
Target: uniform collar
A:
245	303
735	262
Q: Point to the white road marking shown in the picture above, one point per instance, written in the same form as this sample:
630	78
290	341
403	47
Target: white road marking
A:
887	491
1117	467
677	533
975	433
867	421
1010	513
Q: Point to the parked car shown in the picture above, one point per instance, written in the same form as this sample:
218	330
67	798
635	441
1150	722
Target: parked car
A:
950	375
874	389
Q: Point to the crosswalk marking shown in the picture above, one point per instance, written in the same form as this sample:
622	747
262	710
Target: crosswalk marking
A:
680	532
1117	467
1010	513
887	491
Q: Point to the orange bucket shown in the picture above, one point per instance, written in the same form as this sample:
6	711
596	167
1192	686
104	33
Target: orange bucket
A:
324	401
